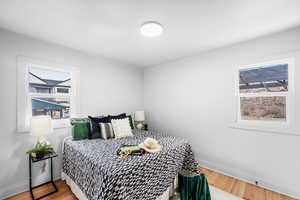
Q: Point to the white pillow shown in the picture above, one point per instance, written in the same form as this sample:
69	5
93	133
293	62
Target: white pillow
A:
121	127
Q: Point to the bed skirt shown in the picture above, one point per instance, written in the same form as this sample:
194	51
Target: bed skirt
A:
81	196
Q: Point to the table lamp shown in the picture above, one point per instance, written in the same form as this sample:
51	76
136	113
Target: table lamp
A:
139	117
40	126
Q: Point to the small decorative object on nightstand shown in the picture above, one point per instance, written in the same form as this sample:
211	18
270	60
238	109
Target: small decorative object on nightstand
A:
40	126
139	118
34	160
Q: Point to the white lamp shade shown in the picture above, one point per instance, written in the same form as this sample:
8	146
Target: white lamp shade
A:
40	125
139	116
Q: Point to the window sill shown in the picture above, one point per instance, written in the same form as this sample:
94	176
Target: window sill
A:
54	128
62	127
282	131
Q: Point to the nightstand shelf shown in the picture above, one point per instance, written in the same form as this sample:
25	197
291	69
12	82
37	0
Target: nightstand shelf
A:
34	160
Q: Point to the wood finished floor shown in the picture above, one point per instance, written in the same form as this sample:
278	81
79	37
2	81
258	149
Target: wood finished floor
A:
240	188
228	184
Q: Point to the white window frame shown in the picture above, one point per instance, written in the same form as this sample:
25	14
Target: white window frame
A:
290	100
24	109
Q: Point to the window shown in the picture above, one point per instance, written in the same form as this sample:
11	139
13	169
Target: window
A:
63	90
46	89
265	94
43	84
37	89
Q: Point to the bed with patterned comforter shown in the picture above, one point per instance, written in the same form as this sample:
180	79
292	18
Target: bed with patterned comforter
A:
94	166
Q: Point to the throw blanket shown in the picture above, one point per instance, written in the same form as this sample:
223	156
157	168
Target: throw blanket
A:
95	167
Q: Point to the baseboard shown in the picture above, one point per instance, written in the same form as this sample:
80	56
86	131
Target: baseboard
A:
238	174
12	190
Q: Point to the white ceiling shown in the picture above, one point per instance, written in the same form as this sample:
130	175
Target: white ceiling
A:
111	28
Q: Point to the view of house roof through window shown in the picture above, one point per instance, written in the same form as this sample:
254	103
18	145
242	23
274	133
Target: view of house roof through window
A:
50	92
264	79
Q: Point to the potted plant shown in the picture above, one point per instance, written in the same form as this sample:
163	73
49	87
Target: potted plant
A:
40	150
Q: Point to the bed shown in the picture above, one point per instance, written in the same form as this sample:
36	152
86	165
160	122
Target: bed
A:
92	167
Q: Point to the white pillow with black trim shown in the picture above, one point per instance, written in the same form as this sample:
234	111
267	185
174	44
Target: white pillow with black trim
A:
106	131
121	127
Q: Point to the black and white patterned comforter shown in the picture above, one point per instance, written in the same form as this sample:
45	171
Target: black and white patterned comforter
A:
94	166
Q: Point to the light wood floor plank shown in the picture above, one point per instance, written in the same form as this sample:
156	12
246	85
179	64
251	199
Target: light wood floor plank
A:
238	188
229	184
272	195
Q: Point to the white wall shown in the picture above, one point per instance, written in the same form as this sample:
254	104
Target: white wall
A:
195	98
105	87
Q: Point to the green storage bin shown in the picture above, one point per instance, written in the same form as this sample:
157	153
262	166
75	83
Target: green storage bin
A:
193	187
80	130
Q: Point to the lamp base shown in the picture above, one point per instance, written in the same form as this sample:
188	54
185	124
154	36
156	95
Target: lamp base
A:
42	139
140	125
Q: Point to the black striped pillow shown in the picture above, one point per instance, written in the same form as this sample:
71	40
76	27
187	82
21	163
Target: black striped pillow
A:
106	131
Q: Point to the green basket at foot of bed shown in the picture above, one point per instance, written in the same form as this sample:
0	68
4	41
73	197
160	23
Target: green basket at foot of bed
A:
193	187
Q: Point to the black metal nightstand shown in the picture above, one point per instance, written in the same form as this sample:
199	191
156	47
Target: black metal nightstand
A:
33	160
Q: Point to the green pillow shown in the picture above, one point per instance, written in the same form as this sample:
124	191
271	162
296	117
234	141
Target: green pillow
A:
80	130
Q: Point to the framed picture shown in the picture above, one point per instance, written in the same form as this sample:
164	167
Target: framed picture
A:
265	93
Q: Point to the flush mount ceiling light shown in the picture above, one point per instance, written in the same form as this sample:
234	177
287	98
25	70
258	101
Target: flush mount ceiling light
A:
151	29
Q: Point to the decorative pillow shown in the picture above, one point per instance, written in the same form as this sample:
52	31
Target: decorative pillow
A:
80	130
106	131
95	128
121	128
120	116
130	121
